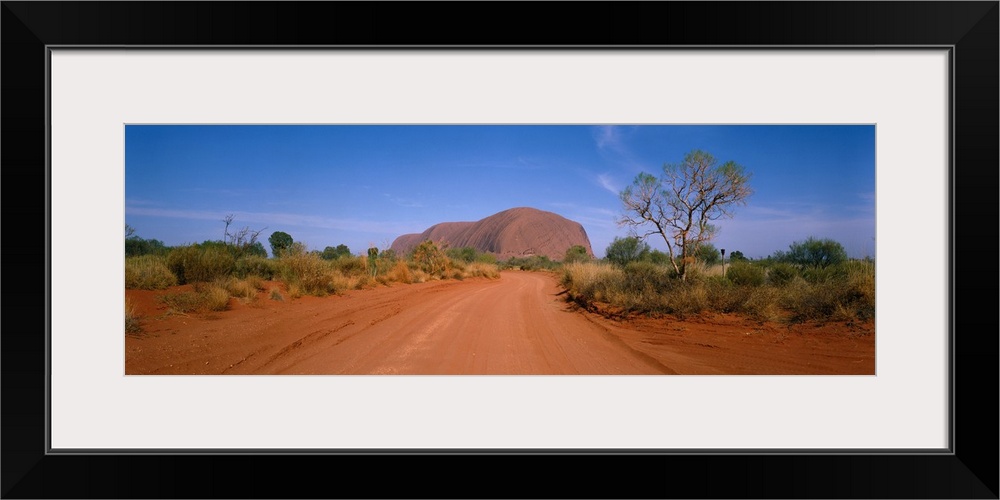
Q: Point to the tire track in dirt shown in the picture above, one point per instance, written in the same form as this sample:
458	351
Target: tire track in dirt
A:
306	341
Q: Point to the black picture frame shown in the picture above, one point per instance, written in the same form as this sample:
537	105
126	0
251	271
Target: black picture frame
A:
970	470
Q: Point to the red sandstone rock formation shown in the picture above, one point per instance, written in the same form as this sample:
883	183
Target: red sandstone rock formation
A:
518	232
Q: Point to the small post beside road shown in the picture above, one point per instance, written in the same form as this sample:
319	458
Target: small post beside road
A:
723	250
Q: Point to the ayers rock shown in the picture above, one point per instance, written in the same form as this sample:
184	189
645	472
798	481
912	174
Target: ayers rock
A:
518	232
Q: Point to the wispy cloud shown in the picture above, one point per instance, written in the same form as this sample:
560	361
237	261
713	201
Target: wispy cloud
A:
605	181
586	215
141	202
609	137
612	143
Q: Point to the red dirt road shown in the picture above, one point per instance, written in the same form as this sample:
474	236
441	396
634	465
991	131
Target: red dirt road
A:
520	324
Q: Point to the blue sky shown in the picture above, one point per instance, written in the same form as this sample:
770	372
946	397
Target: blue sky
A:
364	185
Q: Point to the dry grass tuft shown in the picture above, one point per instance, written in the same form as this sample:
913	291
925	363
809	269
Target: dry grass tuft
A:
148	272
133	323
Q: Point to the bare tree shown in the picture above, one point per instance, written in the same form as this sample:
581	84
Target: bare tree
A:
241	239
680	205
228	219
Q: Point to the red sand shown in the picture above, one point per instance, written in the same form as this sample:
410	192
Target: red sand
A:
519	324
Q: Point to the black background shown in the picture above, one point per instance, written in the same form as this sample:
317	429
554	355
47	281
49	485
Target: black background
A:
971	472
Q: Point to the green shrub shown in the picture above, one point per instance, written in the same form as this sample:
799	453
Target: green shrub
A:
310	274
761	303
781	273
646	277
644	287
351	265
331	253
592	281
725	296
684	298
200	263
576	253
531	263
136	246
621	251
254	265
486	258
463	254
814	252
745	273
148	272
825	274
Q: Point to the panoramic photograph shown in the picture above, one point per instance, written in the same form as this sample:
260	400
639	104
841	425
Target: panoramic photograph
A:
499	250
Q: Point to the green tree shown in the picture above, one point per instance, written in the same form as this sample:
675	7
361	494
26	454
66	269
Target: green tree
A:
737	256
463	254
681	204
280	241
657	257
256	249
576	253
707	253
621	251
814	252
331	253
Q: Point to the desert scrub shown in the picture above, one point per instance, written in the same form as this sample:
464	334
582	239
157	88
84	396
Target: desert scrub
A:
244	289
351	265
208	297
276	295
400	272
842	292
359	282
429	258
309	274
148	272
592	281
216	298
133	323
254	265
182	302
724	296
746	273
762	303
482	270
781	273
195	263
255	281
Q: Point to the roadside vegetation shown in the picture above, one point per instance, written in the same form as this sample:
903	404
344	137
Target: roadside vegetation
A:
813	280
239	267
